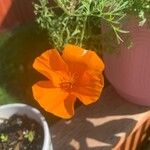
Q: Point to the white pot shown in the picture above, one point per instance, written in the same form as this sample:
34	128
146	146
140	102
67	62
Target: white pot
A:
8	110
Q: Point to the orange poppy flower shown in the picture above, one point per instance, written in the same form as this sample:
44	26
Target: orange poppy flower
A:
75	74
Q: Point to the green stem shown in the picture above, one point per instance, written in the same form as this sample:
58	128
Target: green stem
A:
60	4
83	31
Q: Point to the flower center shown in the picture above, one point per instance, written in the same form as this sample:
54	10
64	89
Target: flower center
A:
67	84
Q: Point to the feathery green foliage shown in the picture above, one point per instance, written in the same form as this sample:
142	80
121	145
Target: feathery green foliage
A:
140	8
79	21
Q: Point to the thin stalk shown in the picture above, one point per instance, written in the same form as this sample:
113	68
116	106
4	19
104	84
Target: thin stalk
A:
83	31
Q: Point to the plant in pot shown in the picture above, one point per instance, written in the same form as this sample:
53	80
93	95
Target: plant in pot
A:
73	69
81	23
23	127
76	26
127	70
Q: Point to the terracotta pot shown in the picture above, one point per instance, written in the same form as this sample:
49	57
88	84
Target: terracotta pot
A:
8	110
129	70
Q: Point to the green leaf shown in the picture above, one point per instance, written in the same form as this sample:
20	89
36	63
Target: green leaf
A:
30	135
3	137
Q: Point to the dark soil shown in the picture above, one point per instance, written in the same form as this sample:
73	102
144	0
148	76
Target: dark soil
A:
20	133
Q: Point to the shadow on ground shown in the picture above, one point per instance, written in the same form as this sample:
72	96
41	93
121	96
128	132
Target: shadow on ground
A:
98	126
18	50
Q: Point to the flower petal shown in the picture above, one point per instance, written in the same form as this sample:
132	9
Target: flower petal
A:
87	58
50	64
93	61
54	100
89	88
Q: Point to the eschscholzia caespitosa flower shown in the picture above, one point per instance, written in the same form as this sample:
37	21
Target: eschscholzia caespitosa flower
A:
77	73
